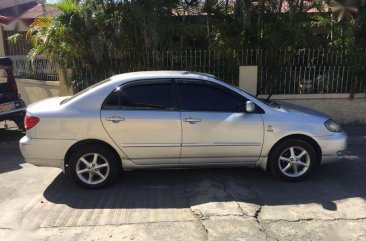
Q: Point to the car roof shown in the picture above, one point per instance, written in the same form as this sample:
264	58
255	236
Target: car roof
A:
161	74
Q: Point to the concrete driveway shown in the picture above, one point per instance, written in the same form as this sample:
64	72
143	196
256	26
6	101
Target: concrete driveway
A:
38	203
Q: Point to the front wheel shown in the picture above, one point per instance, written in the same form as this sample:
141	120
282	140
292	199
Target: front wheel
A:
93	166
292	160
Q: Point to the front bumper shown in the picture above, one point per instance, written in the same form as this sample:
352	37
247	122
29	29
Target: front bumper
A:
333	147
45	152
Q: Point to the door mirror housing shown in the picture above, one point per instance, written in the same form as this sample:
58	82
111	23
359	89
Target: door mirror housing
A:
249	106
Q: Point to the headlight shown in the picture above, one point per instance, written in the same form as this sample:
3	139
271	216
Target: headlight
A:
332	126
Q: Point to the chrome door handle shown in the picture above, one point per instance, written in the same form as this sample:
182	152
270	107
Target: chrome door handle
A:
115	119
192	120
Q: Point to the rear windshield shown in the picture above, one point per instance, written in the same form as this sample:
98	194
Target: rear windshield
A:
85	90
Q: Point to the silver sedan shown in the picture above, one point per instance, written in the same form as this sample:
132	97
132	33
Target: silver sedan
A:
168	119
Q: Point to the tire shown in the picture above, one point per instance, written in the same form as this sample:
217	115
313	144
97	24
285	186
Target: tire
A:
292	160
93	166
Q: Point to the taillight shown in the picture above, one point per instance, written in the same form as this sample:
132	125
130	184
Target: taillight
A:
30	121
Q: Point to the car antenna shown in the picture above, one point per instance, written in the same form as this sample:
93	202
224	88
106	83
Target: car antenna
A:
269	96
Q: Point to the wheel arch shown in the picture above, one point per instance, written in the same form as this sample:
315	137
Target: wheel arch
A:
81	143
303	137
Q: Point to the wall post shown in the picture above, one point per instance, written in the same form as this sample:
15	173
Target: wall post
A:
64	74
248	79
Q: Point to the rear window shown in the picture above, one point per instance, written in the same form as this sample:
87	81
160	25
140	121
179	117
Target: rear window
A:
85	90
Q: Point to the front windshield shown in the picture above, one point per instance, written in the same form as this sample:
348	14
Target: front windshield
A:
85	90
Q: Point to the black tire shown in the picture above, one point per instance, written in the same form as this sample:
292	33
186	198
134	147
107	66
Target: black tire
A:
105	155
304	165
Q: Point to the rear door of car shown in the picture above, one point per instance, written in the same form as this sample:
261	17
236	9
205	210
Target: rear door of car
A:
215	127
143	120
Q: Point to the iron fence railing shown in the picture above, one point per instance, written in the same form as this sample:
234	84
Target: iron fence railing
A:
40	68
311	71
306	71
311	80
224	65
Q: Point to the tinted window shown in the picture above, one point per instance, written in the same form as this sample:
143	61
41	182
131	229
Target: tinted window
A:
113	101
142	96
201	97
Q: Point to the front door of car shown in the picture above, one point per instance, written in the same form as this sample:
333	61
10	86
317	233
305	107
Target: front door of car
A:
215	127
142	119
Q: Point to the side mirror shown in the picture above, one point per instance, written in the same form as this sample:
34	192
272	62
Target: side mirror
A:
249	106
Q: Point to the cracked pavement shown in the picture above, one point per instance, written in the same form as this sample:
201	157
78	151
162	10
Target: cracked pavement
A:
39	203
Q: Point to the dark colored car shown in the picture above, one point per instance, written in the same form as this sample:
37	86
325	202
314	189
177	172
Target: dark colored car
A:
12	107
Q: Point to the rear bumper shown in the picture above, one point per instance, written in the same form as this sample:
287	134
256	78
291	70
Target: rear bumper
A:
333	147
45	152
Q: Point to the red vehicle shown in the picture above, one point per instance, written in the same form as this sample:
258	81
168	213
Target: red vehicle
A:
12	107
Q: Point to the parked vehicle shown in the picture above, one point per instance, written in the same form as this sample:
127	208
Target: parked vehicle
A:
12	107
166	119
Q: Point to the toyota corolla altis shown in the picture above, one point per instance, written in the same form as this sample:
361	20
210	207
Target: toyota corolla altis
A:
168	119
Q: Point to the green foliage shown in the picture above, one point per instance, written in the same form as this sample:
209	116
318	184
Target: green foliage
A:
97	31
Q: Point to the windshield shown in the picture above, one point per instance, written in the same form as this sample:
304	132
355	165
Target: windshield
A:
84	90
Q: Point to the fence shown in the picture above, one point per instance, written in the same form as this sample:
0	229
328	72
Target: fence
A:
224	65
311	80
281	72
296	72
313	71
39	69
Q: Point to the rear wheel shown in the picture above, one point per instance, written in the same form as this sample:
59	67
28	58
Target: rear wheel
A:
93	166
292	160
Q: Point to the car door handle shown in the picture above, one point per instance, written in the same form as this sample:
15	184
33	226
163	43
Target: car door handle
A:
115	119
192	120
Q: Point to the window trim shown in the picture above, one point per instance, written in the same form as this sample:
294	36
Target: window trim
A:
143	82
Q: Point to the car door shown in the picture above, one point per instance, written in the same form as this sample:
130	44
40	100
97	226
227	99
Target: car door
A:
215	128
142	119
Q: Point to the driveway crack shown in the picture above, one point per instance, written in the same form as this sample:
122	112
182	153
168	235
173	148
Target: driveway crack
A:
256	214
196	214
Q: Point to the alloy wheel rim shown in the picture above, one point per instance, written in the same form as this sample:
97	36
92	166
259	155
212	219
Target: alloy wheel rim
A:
294	161
92	168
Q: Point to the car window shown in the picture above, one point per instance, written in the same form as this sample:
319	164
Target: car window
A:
142	96
208	97
113	101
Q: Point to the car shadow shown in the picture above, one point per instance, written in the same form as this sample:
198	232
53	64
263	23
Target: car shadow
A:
10	158
186	187
182	188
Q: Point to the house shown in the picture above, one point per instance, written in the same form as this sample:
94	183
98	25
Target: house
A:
15	17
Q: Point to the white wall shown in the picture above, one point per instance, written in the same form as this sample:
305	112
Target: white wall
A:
35	90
